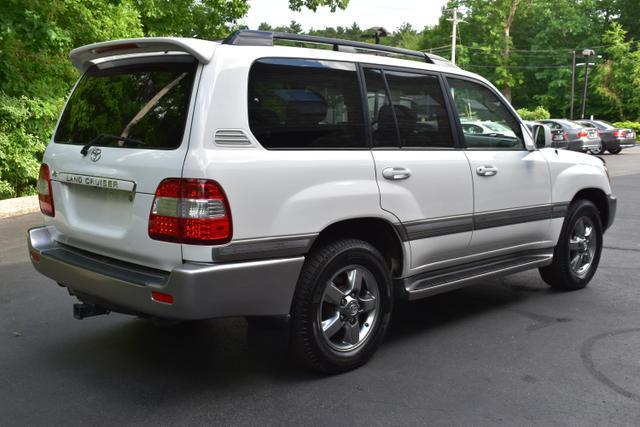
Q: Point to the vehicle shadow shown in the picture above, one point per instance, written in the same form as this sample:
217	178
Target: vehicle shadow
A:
415	317
174	361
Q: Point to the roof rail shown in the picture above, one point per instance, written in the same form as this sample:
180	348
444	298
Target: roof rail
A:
267	38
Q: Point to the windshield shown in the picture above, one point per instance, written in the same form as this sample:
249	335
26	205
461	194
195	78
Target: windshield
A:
144	102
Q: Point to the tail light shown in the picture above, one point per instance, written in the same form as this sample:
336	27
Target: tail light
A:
583	134
619	133
45	196
565	135
192	211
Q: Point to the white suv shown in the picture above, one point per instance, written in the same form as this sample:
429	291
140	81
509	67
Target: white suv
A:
192	179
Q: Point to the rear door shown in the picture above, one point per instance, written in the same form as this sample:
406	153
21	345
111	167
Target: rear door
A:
424	179
137	113
512	185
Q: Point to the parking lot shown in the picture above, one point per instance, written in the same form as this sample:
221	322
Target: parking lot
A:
509	351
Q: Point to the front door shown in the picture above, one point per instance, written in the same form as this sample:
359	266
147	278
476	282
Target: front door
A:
512	188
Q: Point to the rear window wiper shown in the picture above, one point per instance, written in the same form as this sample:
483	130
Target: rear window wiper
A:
85	148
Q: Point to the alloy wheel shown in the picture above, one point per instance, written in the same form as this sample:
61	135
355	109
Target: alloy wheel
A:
582	246
349	308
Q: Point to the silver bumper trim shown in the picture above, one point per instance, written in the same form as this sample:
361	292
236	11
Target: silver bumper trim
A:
200	291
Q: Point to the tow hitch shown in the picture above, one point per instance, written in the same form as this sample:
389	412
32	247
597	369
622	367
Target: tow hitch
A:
82	310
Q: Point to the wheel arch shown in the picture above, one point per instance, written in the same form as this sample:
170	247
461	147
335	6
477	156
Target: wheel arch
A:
378	232
599	198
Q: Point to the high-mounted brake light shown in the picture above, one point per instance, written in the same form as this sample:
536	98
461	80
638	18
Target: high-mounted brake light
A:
192	211
116	47
45	196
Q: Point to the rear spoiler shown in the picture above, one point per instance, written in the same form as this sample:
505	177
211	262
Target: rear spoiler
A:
83	57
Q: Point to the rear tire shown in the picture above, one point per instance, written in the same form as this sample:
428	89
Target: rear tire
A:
577	254
596	151
341	307
615	150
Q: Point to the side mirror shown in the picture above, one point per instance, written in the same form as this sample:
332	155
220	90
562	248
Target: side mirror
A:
541	136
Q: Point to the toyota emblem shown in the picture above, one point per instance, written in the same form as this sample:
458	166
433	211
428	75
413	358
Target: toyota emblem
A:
96	153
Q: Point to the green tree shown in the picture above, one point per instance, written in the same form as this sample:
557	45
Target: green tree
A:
206	19
406	36
297	5
617	78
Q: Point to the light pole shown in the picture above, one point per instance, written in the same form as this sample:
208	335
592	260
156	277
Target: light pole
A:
379	32
573	82
586	53
454	28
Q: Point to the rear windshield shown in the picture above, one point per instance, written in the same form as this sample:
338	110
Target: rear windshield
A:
601	124
564	123
134	105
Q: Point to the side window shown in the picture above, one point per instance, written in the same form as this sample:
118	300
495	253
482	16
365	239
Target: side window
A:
312	104
381	119
486	122
418	103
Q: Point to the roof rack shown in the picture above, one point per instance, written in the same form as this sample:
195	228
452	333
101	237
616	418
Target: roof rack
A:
267	38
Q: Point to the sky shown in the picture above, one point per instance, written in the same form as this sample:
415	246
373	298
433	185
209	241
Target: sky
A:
389	14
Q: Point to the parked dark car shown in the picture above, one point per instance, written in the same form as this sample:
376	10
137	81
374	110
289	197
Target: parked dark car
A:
613	139
578	137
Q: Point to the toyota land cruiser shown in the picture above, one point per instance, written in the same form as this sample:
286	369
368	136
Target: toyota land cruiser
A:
192	179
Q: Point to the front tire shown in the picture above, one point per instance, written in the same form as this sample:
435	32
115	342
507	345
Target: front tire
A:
596	151
341	307
577	254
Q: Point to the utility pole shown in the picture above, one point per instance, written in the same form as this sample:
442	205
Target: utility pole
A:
454	29
573	82
586	53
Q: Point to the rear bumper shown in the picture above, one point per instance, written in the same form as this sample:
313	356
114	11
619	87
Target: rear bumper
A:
614	143
583	146
200	291
628	143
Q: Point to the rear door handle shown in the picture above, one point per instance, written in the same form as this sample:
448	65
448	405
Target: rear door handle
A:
487	170
396	174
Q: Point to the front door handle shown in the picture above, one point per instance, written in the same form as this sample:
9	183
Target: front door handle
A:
486	170
396	174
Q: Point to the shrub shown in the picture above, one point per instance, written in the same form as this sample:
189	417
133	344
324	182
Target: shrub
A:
25	127
540	113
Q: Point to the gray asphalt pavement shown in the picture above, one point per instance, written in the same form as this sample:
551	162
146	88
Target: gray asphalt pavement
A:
508	351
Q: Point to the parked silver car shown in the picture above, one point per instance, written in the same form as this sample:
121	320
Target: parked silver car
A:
554	138
578	137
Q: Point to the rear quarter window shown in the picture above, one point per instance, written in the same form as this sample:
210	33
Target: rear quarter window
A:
305	104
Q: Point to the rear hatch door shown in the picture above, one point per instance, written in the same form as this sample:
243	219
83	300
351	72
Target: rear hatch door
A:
136	112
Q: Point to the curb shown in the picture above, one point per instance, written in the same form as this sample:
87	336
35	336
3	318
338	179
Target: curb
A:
18	206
